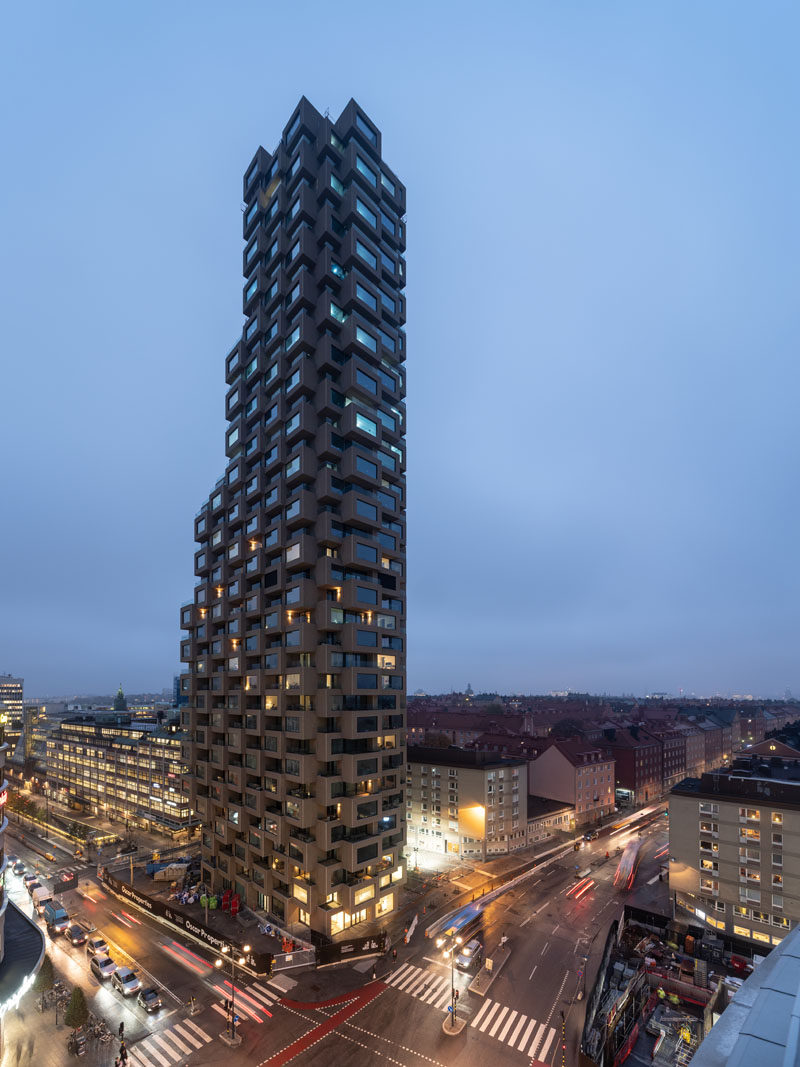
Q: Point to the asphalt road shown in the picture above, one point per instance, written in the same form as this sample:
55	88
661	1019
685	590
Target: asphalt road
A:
554	932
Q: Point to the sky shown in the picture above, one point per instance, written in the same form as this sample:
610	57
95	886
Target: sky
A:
602	327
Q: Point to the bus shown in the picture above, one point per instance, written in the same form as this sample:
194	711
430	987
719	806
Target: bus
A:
628	866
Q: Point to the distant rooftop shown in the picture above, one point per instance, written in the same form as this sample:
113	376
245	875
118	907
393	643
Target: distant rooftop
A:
459	757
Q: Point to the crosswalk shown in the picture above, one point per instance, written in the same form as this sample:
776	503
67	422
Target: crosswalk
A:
169	1046
512	1028
175	1043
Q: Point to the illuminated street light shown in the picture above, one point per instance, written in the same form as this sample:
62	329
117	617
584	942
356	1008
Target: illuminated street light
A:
232	1037
451	953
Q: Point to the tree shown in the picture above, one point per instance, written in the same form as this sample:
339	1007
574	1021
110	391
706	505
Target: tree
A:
77	1010
45	978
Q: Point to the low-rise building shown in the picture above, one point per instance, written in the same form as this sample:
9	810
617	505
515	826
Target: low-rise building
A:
465	803
577	773
122	769
637	757
735	845
547	818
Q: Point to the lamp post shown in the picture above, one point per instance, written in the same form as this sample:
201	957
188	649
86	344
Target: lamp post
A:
228	950
451	952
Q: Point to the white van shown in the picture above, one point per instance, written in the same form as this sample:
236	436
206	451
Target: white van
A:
40	897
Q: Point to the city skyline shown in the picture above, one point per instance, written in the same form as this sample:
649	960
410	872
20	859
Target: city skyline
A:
602	448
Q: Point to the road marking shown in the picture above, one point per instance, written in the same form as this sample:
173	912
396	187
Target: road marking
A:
653	879
169	1034
544	1049
139	1057
509	1022
488	1019
557	928
522	1020
418	981
403	969
535	1043
497	1021
542	907
480	1014
526	1035
268	999
526	921
547	945
430	959
197	1030
155	1053
188	1036
162	1044
443	1001
436	989
533	971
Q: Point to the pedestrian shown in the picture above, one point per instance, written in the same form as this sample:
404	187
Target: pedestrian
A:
121	1030
394	955
31	1045
374	972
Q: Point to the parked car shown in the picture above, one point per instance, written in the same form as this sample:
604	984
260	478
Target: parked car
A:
26	881
126	981
97	946
32	886
76	934
470	955
150	999
102	967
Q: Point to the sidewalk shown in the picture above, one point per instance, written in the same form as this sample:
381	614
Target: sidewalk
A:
31	1037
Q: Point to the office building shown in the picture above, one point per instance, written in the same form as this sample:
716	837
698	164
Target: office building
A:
734	846
125	770
295	640
466	803
10	699
22	943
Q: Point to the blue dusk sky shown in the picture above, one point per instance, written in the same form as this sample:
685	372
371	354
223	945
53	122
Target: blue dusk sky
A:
602	326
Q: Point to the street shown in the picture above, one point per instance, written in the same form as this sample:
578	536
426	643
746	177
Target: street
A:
555	923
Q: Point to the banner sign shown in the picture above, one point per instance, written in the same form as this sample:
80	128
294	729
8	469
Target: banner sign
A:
259	962
342	951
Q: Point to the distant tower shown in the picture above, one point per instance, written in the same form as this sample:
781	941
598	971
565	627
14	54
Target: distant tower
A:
120	703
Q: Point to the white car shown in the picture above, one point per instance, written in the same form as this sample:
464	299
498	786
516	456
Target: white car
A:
126	981
102	967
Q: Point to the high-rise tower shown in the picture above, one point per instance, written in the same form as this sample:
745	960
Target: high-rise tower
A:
295	642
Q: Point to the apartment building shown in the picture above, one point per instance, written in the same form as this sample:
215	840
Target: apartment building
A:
295	638
638	764
735	845
465	803
122	769
577	773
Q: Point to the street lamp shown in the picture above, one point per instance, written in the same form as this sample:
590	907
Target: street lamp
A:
231	1025
451	952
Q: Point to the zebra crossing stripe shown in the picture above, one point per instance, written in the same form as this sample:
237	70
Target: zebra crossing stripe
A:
399	974
545	1047
524	1039
409	977
502	1035
269	1001
498	1020
488	1018
520	1024
444	1000
170	1036
163	1044
535	1043
188	1037
480	1014
139	1058
436	989
155	1053
417	983
197	1030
